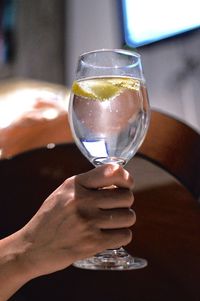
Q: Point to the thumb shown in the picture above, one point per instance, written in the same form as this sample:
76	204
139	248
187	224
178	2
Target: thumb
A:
105	176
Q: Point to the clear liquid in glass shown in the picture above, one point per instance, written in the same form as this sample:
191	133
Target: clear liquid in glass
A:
110	123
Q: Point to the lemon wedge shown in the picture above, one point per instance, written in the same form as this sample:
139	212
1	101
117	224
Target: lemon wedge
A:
126	83
104	88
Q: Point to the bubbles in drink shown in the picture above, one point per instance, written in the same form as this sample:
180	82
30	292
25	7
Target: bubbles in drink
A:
109	117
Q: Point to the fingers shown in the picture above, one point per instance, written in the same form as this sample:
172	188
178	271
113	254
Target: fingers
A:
116	219
114	198
108	208
116	238
105	176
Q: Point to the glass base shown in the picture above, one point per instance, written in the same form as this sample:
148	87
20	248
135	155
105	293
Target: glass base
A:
112	260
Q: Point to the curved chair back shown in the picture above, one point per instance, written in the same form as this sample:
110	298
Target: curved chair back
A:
175	147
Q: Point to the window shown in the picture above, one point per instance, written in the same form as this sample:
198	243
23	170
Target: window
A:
147	21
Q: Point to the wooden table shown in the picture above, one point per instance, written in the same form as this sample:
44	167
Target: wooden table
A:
166	233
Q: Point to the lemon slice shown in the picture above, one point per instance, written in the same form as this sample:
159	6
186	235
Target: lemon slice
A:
126	83
96	89
103	88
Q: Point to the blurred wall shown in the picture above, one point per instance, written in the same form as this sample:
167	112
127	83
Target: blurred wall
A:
90	25
39	41
172	70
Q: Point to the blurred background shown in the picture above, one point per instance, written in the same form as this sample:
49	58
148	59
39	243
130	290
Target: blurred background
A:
42	39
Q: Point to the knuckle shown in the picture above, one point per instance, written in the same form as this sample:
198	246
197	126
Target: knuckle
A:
123	238
129	218
130	198
127	197
69	182
117	238
104	219
87	217
132	217
113	170
127	237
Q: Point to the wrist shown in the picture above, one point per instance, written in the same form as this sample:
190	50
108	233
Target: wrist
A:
13	253
14	272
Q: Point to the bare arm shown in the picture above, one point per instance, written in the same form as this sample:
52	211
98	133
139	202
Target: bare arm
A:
73	223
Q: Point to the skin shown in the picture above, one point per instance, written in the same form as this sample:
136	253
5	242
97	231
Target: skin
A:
78	220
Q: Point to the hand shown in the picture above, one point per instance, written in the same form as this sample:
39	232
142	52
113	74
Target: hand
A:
80	219
76	221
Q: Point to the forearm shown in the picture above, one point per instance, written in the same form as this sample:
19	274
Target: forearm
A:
13	273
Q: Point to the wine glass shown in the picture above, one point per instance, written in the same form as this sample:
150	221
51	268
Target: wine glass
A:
109	117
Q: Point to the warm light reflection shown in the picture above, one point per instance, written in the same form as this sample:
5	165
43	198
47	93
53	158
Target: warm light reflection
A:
33	103
50	114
